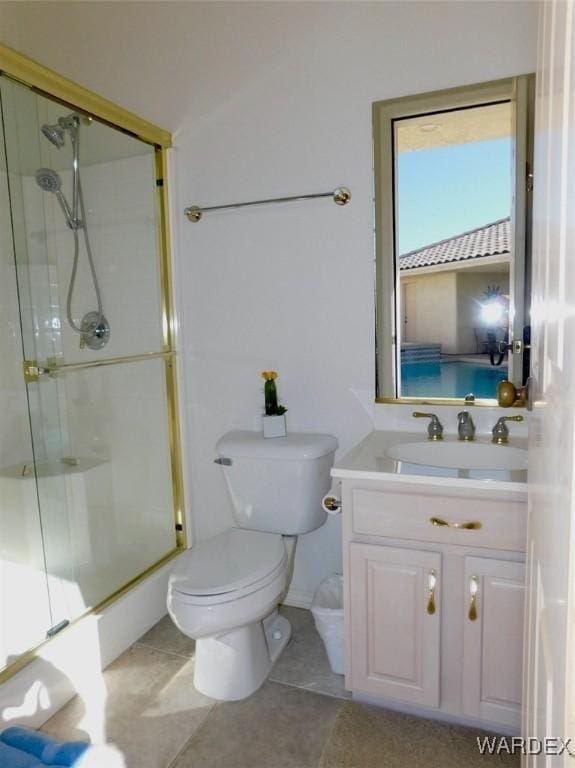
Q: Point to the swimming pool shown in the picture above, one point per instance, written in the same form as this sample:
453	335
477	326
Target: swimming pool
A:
450	379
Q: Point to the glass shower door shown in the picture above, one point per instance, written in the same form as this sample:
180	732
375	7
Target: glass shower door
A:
95	361
25	614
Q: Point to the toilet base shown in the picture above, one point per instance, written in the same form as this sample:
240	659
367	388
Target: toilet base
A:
233	665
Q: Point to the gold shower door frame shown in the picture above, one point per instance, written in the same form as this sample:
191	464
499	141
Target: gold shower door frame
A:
52	85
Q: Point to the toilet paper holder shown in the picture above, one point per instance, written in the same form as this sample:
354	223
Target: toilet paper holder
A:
332	504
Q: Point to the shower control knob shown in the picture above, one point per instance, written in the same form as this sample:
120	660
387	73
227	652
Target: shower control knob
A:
95	331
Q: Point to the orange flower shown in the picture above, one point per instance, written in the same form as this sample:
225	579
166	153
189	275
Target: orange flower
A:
267	375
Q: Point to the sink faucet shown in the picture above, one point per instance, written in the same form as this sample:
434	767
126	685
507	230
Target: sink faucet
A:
465	426
434	430
500	431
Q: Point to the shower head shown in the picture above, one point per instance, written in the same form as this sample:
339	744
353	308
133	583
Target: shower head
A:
54	134
48	180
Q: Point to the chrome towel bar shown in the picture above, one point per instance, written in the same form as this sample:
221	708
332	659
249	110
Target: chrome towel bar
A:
340	196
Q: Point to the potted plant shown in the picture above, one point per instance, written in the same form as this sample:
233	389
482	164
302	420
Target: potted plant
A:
274	419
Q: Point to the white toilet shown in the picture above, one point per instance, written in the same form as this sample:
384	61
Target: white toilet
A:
224	592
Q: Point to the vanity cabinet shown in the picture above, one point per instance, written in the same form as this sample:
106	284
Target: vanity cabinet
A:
395	622
492	635
434	610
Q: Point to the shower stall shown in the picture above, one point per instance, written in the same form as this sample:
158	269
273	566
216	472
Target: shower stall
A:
90	487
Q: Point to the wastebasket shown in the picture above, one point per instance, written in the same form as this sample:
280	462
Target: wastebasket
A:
327	610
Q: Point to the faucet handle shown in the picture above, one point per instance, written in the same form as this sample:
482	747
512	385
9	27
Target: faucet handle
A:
465	426
435	429
500	431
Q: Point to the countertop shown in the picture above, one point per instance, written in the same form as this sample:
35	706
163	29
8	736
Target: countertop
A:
369	461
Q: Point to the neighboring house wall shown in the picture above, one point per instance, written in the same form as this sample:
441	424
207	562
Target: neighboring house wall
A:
431	309
471	287
445	307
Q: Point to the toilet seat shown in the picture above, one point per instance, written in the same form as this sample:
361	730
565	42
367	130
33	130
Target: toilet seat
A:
228	566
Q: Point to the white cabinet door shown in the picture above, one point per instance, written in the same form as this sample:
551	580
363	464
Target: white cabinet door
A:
394	624
493	639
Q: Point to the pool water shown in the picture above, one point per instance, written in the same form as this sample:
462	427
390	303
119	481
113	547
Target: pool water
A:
450	379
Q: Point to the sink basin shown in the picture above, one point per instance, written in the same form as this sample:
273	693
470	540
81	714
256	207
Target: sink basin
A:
460	455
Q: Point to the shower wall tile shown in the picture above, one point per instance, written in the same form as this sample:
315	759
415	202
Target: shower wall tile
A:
14	430
121	209
116	416
21	555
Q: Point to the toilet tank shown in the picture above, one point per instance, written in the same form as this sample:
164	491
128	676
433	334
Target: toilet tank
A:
277	484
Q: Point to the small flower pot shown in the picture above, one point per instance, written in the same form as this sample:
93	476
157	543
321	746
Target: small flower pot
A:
274	426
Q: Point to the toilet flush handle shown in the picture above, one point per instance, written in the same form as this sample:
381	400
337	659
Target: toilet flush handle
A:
224	462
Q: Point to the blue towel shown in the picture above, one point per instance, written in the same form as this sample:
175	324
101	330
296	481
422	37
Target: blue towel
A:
15	758
27	740
45	748
64	754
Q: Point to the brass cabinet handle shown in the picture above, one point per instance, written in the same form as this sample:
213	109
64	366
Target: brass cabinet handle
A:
473	590
431	585
472	525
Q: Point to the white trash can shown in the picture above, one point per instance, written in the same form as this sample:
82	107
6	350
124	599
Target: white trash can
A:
327	610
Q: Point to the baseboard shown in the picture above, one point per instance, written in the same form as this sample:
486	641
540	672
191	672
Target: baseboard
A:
72	662
434	714
298	598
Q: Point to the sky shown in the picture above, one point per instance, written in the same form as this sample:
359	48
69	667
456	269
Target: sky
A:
448	190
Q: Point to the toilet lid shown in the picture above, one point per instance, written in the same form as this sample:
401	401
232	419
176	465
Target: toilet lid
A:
228	562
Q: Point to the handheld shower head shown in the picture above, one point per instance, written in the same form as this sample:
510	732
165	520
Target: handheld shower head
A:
48	180
54	134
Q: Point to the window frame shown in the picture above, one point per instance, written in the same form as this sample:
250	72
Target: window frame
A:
519	92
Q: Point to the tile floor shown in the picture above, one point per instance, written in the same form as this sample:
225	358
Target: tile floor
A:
301	718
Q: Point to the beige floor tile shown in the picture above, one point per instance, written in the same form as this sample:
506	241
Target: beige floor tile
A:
370	737
165	636
304	662
278	727
152	708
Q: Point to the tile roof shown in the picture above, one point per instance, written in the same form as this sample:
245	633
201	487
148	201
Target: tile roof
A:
488	240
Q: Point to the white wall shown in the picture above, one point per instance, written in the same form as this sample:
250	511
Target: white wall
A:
273	99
